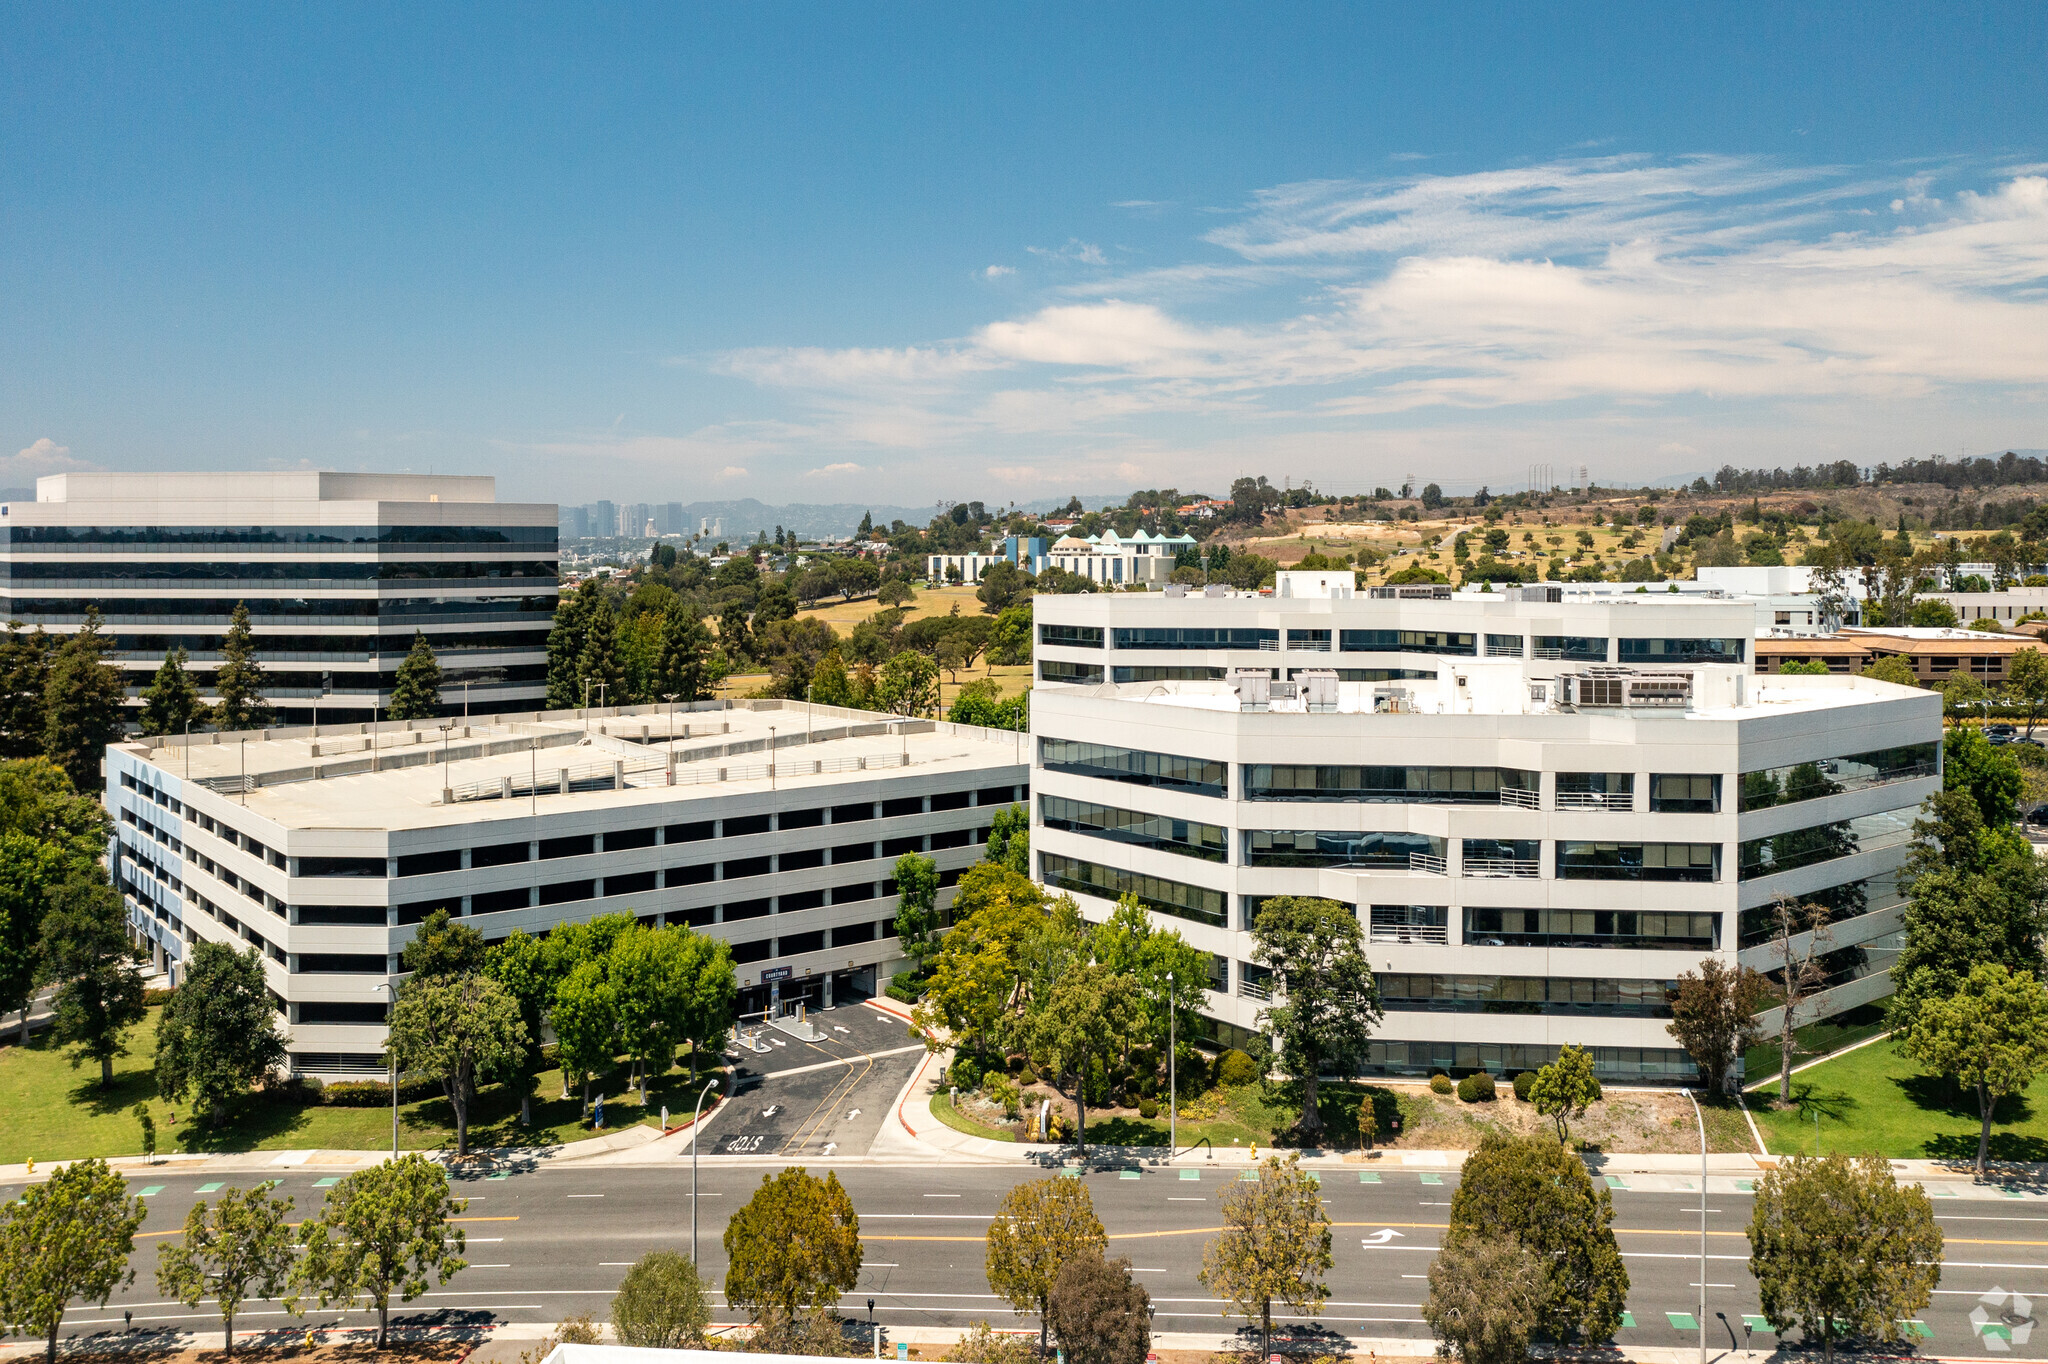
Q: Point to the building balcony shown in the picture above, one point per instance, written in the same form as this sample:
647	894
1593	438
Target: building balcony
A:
1500	868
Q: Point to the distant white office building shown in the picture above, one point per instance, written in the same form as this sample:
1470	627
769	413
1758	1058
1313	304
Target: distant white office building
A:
1542	811
337	570
323	851
1143	558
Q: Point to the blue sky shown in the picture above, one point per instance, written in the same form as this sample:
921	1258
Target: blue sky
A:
897	253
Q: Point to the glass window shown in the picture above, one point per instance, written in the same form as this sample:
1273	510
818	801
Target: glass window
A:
1825	842
1485	927
1314	641
1830	905
1601	998
1180	901
1503	646
1500	856
1406	642
1650	652
1324	848
1170	672
1203	776
1393	785
1071	636
1571	648
1596	790
1631	1064
1584	861
1055	670
1685	793
1409	923
1188	839
1195	637
1770	786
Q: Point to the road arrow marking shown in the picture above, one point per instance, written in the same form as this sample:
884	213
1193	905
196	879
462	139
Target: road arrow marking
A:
830	1147
851	1114
1384	1236
771	1110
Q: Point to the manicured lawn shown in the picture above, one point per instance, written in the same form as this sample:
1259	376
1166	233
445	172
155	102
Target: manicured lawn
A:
48	1111
1874	1100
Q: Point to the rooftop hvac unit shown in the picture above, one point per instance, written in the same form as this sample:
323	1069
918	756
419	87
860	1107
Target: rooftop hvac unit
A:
1254	688
1412	591
1546	592
1319	689
1615	688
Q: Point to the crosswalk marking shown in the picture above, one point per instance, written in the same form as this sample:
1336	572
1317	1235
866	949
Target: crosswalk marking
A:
1368	1177
150	1192
326	1183
1432	1179
1191	1175
210	1188
1683	1321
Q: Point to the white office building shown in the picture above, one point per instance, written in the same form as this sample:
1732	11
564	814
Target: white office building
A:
337	570
1543	811
772	825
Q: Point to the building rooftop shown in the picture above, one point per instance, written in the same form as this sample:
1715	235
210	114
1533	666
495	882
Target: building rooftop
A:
396	777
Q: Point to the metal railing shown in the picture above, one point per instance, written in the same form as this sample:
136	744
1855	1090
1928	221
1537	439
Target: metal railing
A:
1502	867
1596	800
1421	933
1253	990
620	774
1313	646
1425	862
1521	799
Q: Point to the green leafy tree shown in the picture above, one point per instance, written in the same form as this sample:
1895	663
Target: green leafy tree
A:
29	869
586	1019
1990	776
1713	1016
1991	1034
908	685
565	645
85	949
416	689
68	1237
1009	839
1565	1088
1084	1019
457	1029
710	994
443	945
1813	667
522	964
1039	1226
1170	972
683	668
1099	1313
650	974
218	1034
1325	1001
601	672
1541	1195
241	1248
82	704
1275	1247
794	1246
917	916
1838	1249
37	799
663	1304
1010	645
383	1231
1894	668
148	1124
2026	684
238	682
24	679
1484	1296
171	701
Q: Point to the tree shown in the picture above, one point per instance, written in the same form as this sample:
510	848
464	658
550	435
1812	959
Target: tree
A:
663	1304
443	945
82	704
1484	1295
1991	1035
69	1237
523	965
37	799
1930	612
1039	1226
1086	1016
1325	1001
600	672
1534	1191
649	972
795	1245
24	678
171	702
238	682
1099	1314
1713	1016
218	1033
148	1124
1275	1247
1564	1088
416	690
240	1249
1010	644
1893	668
683	668
1988	775
1009	839
1813	667
586	1019
1003	585
456	1029
85	948
565	645
908	685
1800	938
1839	1249
917	918
2026	684
29	869
383	1230
710	993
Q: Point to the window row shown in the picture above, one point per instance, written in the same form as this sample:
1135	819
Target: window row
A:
1771	786
1173	898
538	537
1661	929
1137	767
142	573
1183	837
1602	998
1396	785
1654	1064
1827	906
1797	848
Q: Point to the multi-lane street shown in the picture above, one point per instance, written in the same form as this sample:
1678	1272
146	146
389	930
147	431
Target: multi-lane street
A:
552	1241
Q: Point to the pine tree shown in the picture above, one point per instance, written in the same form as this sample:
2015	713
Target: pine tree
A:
684	667
82	705
24	676
565	647
601	674
867	524
416	691
239	683
171	702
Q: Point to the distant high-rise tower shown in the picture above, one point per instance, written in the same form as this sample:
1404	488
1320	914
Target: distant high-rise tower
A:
604	519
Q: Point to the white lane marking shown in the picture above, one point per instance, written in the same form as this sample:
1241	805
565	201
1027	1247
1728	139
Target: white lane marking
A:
490	1266
583	1195
1172	1199
616	1264
882	1264
1696	1210
1383	1236
942	1195
1148	1271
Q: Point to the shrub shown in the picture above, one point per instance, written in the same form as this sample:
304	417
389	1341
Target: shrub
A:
966	1072
662	1305
154	997
1000	1092
1441	1084
1524	1082
1233	1067
374	1093
984	1346
904	989
1148	1108
1476	1088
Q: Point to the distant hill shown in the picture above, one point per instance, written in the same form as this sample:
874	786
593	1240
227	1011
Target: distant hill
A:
748	517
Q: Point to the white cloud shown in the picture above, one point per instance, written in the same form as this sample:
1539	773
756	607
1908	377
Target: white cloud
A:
835	470
998	271
1076	251
732	471
39	457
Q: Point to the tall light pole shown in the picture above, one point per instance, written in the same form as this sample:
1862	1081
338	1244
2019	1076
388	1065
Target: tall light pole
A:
1172	1081
1703	1222
694	1118
391	1049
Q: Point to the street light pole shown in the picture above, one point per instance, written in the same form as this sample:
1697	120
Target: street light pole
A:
1703	1222
694	1117
1172	1081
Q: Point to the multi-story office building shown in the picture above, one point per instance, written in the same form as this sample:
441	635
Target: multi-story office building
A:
338	572
1543	812
771	825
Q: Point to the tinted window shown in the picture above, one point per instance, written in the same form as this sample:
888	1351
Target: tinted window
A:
902	805
853	814
498	901
687	833
420	864
617	839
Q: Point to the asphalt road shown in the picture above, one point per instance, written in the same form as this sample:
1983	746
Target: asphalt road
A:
817	1099
550	1242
